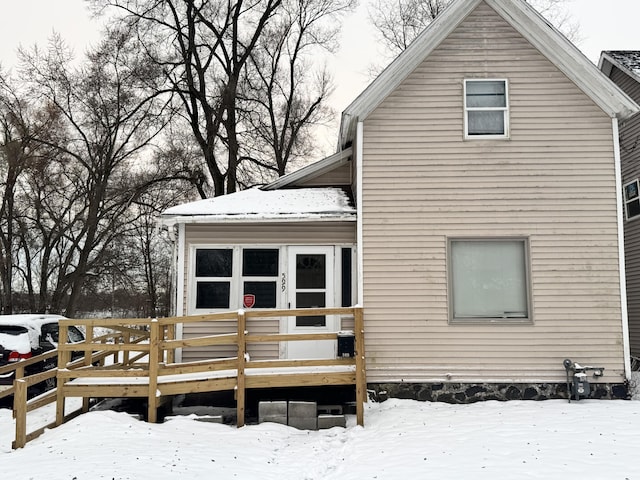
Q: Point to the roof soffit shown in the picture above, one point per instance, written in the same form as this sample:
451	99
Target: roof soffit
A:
607	62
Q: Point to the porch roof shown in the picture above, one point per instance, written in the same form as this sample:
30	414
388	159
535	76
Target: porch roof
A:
257	205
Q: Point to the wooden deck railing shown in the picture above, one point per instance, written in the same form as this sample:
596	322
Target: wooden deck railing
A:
22	383
144	353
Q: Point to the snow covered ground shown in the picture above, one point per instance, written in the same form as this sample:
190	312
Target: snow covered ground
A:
401	440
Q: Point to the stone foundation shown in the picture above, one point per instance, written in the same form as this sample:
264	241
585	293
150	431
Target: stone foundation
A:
471	393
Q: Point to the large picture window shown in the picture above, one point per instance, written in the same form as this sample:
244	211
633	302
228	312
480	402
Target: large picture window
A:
486	108
488	280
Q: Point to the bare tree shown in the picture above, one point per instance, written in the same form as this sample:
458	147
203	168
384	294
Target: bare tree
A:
221	57
109	123
21	122
399	22
15	139
284	91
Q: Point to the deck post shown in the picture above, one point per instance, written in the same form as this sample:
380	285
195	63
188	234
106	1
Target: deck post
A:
125	354
63	359
154	359
171	335
20	412
88	354
242	350
361	375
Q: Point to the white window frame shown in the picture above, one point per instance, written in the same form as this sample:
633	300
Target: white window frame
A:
193	290
628	201
252	278
528	319
236	280
504	109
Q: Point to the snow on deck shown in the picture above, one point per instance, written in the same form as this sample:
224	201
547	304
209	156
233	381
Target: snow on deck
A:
275	204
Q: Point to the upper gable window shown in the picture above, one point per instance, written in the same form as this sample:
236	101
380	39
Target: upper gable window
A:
632	199
486	109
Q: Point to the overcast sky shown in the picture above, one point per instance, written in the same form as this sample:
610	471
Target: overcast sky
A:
605	25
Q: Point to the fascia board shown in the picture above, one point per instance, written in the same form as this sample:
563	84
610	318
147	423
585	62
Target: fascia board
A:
396	72
566	57
236	219
539	32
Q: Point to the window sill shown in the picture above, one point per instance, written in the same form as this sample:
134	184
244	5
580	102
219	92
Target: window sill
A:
491	321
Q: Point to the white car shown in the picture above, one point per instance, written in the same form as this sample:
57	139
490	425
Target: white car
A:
26	335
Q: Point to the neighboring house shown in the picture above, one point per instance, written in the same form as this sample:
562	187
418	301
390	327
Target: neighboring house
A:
471	209
624	69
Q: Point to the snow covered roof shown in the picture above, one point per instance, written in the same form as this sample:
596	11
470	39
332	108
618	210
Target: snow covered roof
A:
626	60
256	204
531	25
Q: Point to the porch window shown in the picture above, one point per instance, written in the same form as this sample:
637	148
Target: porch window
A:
488	280
214	270
632	199
486	108
260	268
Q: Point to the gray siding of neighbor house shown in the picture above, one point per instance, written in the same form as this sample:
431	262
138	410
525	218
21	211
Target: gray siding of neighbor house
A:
552	182
630	153
277	234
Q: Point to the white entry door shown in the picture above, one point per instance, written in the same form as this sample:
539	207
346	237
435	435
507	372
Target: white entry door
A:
311	279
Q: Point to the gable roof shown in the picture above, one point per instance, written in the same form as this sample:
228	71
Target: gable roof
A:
626	60
257	205
531	25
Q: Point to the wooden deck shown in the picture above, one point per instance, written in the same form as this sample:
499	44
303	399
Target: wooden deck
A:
144	353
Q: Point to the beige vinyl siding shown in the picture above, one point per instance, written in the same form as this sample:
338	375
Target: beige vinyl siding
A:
552	182
340	176
276	234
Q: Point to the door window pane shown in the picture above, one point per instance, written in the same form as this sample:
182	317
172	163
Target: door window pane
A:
311	300
489	279
265	293
260	262
310	271
347	294
213	294
216	262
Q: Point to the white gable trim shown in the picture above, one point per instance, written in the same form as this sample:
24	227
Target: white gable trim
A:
566	57
621	255
531	25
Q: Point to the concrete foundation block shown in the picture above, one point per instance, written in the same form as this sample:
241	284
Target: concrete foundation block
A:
211	419
275	412
303	415
330	410
304	423
330	421
303	409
